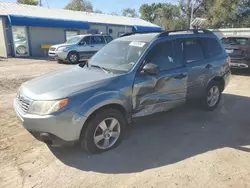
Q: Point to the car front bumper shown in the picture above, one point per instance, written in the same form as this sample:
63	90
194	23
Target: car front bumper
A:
59	55
63	127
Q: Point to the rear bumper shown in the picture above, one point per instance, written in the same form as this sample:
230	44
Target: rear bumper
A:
240	63
227	78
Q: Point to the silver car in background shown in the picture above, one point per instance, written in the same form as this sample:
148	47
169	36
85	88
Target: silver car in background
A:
80	47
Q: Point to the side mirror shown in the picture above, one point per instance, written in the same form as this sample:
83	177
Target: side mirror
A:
151	69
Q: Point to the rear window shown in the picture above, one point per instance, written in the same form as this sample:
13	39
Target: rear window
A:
235	40
211	47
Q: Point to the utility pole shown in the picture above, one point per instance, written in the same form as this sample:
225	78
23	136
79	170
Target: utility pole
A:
192	14
40	3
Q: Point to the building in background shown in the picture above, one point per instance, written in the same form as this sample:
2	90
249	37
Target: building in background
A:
27	30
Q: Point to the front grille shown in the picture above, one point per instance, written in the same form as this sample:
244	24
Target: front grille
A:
52	49
24	103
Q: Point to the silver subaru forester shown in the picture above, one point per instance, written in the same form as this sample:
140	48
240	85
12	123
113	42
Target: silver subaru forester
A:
135	75
80	47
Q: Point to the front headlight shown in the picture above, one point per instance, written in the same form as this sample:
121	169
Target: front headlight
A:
64	49
47	107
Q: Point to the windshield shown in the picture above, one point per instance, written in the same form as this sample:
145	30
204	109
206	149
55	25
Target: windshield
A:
73	40
119	55
235	41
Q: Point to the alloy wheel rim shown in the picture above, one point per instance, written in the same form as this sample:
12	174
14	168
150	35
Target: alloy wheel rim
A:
213	96
73	57
107	133
21	50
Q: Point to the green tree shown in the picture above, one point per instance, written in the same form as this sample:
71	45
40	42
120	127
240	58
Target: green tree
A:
27	2
148	12
79	5
98	11
166	15
129	12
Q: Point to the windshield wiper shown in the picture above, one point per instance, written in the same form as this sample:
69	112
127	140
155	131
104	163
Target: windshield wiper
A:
103	69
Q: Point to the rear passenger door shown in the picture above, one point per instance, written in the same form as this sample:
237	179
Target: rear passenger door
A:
97	43
156	93
200	56
198	67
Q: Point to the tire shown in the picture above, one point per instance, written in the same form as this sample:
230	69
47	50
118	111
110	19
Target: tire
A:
215	87
95	130
73	57
21	50
60	61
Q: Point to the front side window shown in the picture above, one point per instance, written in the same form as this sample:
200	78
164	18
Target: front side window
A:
98	40
85	41
193	51
162	54
74	40
119	55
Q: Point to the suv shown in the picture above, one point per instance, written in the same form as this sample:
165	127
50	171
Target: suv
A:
79	47
135	75
238	48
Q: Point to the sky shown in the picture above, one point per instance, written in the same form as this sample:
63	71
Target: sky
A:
107	6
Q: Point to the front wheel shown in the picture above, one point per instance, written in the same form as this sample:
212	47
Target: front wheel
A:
104	132
73	57
212	96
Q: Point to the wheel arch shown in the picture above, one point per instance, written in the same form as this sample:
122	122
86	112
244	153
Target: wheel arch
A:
220	80
92	115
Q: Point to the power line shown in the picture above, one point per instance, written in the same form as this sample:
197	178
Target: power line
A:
47	3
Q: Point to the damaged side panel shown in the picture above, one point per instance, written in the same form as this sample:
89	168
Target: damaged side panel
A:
152	94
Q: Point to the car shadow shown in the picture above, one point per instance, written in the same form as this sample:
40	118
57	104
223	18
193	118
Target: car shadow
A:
170	137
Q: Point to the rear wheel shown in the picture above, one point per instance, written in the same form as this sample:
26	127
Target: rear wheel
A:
212	95
73	57
104	132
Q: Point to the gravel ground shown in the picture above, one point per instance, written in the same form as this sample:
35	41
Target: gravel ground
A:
186	147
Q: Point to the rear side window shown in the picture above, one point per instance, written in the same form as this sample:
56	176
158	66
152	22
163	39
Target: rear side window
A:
193	50
211	47
98	40
108	38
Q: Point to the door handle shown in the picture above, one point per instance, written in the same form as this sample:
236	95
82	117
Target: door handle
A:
208	66
180	76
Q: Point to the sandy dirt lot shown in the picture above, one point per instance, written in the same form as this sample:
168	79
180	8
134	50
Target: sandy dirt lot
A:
187	147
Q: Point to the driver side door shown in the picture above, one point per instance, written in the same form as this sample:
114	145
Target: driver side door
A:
163	91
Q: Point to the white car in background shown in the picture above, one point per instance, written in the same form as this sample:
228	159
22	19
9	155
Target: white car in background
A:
20	46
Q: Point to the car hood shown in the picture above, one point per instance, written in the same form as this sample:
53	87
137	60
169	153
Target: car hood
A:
63	82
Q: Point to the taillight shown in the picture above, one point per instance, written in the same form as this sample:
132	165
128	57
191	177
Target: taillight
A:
228	60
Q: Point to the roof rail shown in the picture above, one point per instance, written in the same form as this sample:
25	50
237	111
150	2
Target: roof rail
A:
195	31
140	32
